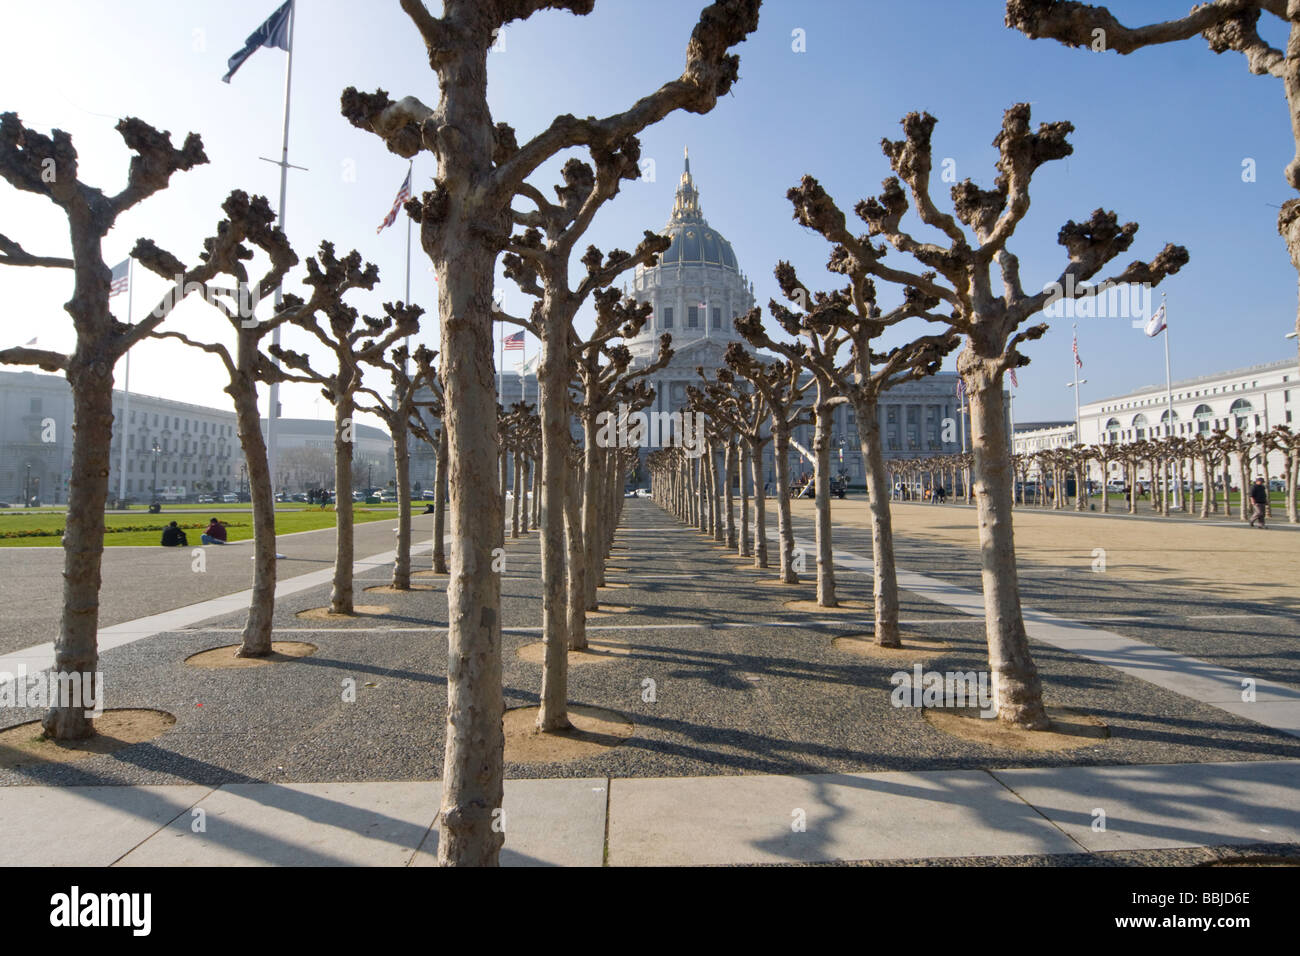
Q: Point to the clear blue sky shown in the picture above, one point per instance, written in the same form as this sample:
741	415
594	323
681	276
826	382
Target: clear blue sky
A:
1161	138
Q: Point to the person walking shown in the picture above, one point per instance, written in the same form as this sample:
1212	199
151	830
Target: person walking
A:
1259	498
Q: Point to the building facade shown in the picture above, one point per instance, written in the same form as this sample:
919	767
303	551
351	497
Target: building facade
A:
1248	400
1031	437
696	290
304	457
180	449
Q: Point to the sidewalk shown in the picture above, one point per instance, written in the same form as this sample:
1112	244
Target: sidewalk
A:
753	819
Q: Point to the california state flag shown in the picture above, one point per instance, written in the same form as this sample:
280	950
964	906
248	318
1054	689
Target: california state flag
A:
1156	324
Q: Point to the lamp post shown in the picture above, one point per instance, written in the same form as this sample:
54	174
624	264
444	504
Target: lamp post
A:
27	488
1078	439
156	453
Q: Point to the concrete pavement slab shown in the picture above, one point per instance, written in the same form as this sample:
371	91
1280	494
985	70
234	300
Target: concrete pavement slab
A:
301	824
879	816
1168	805
547	823
86	826
1200	680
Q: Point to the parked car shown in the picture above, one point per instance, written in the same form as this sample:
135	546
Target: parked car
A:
1276	484
643	492
205	499
230	498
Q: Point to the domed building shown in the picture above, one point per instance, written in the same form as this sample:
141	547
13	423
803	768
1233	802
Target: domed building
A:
697	289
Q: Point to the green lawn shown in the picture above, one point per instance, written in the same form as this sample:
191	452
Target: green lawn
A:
146	529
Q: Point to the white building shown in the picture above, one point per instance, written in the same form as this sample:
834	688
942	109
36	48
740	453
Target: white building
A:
697	289
189	448
1032	437
304	455
1247	400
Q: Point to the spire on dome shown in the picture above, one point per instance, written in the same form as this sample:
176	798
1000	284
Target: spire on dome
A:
687	204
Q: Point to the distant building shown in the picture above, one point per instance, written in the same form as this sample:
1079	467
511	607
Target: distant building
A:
197	448
697	289
305	453
1032	437
1248	400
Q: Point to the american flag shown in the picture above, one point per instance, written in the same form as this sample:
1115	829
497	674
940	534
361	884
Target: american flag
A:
121	274
1077	361
513	342
1013	378
961	388
403	194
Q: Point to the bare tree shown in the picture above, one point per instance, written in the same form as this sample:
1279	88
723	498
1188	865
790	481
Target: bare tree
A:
353	340
48	166
1224	24
538	261
606	378
465	222
783	394
247	366
867	374
437	438
961	275
816	348
396	411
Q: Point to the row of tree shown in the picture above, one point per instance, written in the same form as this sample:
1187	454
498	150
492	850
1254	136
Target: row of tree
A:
469	219
968	286
1206	463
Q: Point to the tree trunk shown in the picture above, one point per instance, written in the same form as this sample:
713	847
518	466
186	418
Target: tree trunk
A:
344	426
402	464
729	494
885	573
256	638
576	594
822	504
518	475
742	540
440	504
1017	689
1243	467
76	649
553	375
472	769
591	465
760	500
785	529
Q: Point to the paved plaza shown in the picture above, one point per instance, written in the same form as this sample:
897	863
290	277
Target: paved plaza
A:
755	714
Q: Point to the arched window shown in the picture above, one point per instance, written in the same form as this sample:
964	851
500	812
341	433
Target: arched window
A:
1112	430
1240	413
1203	415
1140	425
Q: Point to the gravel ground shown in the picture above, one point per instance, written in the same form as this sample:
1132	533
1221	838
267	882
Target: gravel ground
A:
1259	638
734	693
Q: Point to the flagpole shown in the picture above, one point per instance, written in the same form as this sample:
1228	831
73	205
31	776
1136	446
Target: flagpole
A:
410	170
273	412
1169	395
1075	363
126	391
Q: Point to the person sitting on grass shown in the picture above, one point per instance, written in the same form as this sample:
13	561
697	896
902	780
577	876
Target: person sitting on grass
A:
215	533
173	536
